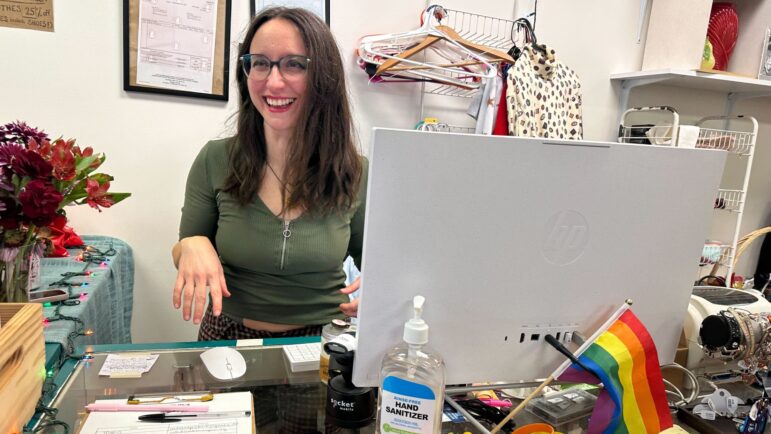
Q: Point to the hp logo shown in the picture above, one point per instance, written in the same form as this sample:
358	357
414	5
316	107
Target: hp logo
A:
565	237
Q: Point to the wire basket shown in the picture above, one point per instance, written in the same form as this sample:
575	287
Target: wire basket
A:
481	29
729	200
737	142
649	126
716	254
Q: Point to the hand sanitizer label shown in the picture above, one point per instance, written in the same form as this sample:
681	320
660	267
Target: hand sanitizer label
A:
406	407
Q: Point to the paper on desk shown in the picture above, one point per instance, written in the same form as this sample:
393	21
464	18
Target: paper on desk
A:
126	422
129	365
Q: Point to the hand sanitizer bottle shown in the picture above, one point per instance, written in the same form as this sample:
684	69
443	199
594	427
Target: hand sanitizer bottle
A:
411	394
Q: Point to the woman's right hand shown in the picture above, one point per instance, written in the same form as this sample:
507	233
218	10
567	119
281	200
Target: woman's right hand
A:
199	269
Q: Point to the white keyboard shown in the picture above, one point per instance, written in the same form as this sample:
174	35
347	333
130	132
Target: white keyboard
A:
303	357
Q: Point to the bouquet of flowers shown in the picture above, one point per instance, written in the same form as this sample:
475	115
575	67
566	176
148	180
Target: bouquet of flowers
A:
38	178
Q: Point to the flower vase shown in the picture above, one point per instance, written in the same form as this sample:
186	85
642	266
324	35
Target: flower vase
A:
19	271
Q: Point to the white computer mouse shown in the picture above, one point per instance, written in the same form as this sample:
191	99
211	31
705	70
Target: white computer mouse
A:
224	363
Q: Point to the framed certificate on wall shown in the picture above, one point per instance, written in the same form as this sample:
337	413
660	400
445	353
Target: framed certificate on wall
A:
764	72
319	7
177	48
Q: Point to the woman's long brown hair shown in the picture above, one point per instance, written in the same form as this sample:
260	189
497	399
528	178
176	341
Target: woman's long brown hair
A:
323	169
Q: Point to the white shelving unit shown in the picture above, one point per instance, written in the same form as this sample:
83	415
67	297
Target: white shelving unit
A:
735	87
719	132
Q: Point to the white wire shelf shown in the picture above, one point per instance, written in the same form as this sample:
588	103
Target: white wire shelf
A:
481	29
459	129
736	142
448	90
442	127
716	254
654	125
729	200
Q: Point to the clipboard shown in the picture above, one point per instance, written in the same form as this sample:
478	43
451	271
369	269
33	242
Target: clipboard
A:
125	422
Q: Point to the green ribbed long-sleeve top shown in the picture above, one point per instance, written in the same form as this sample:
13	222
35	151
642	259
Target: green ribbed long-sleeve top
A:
273	278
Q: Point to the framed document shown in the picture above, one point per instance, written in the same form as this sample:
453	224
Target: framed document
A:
319	7
177	48
764	72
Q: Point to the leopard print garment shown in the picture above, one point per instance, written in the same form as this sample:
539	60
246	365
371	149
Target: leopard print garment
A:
543	97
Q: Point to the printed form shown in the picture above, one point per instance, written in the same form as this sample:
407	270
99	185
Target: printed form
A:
176	44
125	422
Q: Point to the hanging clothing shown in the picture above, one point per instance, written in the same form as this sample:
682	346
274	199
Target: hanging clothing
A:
489	91
501	127
543	97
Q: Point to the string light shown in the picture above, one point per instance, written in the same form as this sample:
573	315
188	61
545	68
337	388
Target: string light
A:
90	255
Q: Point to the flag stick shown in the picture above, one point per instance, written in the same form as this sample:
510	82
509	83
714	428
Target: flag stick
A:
564	366
522	405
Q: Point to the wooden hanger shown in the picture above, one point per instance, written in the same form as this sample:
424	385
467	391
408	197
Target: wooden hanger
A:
447	33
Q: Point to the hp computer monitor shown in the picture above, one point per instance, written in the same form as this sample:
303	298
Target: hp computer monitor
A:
510	239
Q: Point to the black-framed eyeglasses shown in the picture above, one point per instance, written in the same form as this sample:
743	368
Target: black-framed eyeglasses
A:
258	66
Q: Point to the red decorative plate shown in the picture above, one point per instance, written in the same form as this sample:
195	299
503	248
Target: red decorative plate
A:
722	32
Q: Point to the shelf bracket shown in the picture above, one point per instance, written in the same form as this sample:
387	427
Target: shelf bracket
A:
626	88
730	102
734	97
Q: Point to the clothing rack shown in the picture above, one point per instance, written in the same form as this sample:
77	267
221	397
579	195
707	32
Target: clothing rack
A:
480	29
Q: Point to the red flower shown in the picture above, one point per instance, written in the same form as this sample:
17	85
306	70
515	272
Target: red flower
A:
63	160
84	153
21	133
9	213
39	202
97	194
43	148
24	162
87	152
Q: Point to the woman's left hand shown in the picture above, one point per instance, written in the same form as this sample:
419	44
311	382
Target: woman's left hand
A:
352	308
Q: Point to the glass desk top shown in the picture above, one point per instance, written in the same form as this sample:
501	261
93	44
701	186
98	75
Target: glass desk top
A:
284	401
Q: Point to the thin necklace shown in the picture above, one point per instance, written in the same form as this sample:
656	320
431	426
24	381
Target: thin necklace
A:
275	174
284	192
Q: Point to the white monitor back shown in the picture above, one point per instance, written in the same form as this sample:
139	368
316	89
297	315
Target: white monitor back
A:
512	238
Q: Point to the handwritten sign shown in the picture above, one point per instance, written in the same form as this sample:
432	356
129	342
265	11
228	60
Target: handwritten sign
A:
27	14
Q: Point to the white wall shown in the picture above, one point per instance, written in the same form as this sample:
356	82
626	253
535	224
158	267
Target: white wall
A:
70	83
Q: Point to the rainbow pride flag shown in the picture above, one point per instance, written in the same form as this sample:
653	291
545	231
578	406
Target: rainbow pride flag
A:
624	357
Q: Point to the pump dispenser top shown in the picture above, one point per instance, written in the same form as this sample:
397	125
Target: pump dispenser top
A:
411	380
415	329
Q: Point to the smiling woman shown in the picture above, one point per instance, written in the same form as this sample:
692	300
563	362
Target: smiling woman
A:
271	213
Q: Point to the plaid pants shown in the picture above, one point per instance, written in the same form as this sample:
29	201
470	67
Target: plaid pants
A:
277	409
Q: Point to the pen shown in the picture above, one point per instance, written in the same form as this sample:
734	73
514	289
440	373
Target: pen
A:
173	417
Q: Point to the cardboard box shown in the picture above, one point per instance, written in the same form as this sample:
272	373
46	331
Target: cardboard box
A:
676	34
22	363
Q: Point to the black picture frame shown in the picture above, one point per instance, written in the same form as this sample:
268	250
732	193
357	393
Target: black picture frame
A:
256	5
221	66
